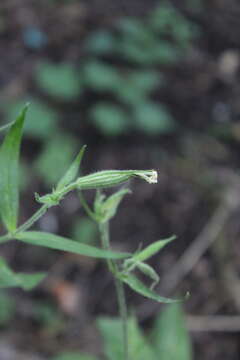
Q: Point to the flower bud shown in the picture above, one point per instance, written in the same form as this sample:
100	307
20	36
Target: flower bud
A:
108	178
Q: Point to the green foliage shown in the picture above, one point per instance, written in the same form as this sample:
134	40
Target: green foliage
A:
140	45
139	348
101	42
9	177
100	76
104	210
58	80
7	308
167	21
56	155
152	249
170	336
154	119
41	121
138	286
85	231
56	242
110	119
9	278
5	127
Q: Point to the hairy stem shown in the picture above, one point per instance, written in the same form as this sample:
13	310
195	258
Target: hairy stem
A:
113	267
35	217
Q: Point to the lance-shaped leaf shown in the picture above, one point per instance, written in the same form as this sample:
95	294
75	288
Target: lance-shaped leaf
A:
107	208
60	243
8	278
135	284
9	159
152	249
6	126
72	172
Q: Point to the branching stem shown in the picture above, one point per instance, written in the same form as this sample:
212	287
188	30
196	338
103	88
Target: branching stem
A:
113	267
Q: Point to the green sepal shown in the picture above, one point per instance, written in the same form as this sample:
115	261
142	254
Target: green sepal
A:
152	249
72	172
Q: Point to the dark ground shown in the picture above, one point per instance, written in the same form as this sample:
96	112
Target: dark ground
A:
196	170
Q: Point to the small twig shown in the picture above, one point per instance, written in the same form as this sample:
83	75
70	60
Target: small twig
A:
218	323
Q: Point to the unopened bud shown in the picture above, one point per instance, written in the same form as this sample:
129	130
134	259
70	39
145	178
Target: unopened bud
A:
108	178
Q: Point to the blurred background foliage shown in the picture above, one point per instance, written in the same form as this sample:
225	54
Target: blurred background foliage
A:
146	84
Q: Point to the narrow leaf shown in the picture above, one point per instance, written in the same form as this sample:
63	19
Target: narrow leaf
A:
108	208
8	278
9	158
135	284
72	172
60	243
6	126
152	249
148	271
170	328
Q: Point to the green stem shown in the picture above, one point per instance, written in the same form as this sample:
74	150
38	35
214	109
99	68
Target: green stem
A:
113	267
38	214
123	314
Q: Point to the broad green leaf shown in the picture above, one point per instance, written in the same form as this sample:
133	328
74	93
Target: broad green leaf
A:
135	284
111	330
8	278
154	118
72	171
74	356
60	243
58	80
146	80
111	120
100	76
100	42
170	336
152	249
9	174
